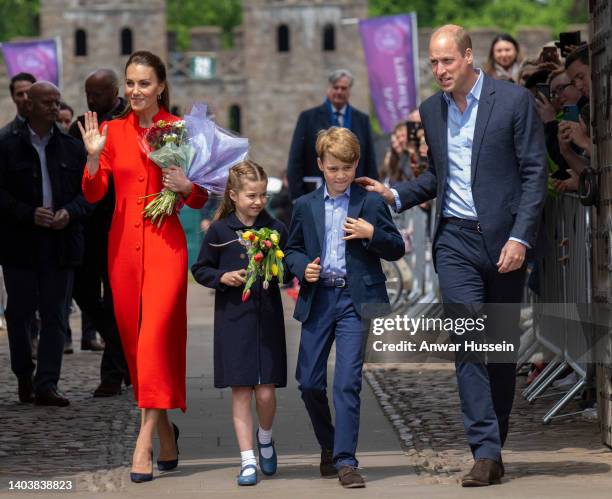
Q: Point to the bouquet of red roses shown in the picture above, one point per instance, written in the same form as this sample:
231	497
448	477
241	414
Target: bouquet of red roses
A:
265	258
197	145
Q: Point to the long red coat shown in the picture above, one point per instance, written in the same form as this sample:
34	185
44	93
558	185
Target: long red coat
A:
147	267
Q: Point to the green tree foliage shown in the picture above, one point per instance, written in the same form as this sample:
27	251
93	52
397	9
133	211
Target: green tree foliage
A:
182	15
507	15
18	18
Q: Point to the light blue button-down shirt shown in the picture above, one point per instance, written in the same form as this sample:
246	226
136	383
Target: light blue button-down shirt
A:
336	211
458	201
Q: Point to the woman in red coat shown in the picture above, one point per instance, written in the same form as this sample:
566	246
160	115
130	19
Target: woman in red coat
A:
148	265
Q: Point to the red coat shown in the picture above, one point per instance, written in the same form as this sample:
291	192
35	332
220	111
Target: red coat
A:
147	267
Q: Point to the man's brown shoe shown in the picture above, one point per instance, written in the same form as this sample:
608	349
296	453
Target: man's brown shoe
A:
350	478
484	472
327	468
51	397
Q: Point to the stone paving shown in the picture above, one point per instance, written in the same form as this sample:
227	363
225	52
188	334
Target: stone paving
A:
83	441
92	439
422	404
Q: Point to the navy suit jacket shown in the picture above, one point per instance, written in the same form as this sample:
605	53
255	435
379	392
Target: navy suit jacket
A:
509	165
366	280
303	156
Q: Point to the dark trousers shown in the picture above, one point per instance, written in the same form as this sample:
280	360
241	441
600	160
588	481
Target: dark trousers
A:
92	293
333	317
49	289
471	286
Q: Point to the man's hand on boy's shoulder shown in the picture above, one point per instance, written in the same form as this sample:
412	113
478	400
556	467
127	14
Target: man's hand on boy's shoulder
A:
372	185
358	229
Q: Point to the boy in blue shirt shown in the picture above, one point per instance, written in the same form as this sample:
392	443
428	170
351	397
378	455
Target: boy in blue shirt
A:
337	237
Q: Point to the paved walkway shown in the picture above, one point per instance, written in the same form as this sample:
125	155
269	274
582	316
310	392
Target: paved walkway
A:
91	441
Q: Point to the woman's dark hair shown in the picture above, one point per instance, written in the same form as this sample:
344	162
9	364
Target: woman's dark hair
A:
149	59
502	37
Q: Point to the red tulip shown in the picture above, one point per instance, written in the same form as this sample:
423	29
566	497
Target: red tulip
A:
268	244
251	236
258	257
245	295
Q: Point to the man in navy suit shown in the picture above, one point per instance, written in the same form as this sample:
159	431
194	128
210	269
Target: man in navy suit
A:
342	282
302	170
487	168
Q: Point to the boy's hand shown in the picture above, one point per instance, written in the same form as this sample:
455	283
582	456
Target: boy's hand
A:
234	279
313	270
358	229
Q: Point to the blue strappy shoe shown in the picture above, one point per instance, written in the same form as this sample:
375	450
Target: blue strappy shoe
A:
171	463
248	479
268	465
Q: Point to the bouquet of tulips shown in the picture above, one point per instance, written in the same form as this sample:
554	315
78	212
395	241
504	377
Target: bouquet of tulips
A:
265	258
197	145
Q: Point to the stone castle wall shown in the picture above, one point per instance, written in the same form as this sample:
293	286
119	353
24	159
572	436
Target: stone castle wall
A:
270	87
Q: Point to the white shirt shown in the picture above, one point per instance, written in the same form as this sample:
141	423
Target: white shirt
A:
40	144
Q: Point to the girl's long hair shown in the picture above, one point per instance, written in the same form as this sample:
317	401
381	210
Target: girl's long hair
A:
238	174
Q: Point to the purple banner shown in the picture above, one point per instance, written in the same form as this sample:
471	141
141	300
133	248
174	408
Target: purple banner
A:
38	57
390	47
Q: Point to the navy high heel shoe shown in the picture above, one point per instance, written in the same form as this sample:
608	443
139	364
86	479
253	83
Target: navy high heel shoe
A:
171	463
142	477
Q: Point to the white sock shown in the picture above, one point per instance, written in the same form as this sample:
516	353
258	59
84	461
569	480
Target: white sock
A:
248	457
265	437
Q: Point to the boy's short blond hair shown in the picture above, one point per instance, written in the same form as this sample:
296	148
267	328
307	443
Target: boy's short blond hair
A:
340	142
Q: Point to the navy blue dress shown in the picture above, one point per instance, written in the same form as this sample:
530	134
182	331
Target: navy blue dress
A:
249	343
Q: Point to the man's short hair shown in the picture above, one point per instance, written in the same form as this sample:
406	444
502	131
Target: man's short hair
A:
458	33
340	142
63	106
21	77
335	75
580	54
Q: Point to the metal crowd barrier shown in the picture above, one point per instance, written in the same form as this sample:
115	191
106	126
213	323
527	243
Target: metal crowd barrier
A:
419	294
559	309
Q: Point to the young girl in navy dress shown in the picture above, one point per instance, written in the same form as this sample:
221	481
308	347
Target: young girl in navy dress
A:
249	344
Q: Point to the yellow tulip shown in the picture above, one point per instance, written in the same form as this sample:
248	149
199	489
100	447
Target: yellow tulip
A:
256	240
279	254
274	238
274	269
246	235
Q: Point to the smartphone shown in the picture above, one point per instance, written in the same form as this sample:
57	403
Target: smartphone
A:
571	113
568	39
550	54
544	89
412	127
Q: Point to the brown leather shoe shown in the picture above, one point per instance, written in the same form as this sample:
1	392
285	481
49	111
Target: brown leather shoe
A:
484	472
327	468
107	390
51	397
25	389
350	478
93	345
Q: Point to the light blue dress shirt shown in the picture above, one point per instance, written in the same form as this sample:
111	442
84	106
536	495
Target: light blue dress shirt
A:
333	262
458	201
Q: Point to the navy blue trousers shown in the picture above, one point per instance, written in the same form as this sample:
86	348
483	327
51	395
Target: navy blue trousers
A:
469	281
333	317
